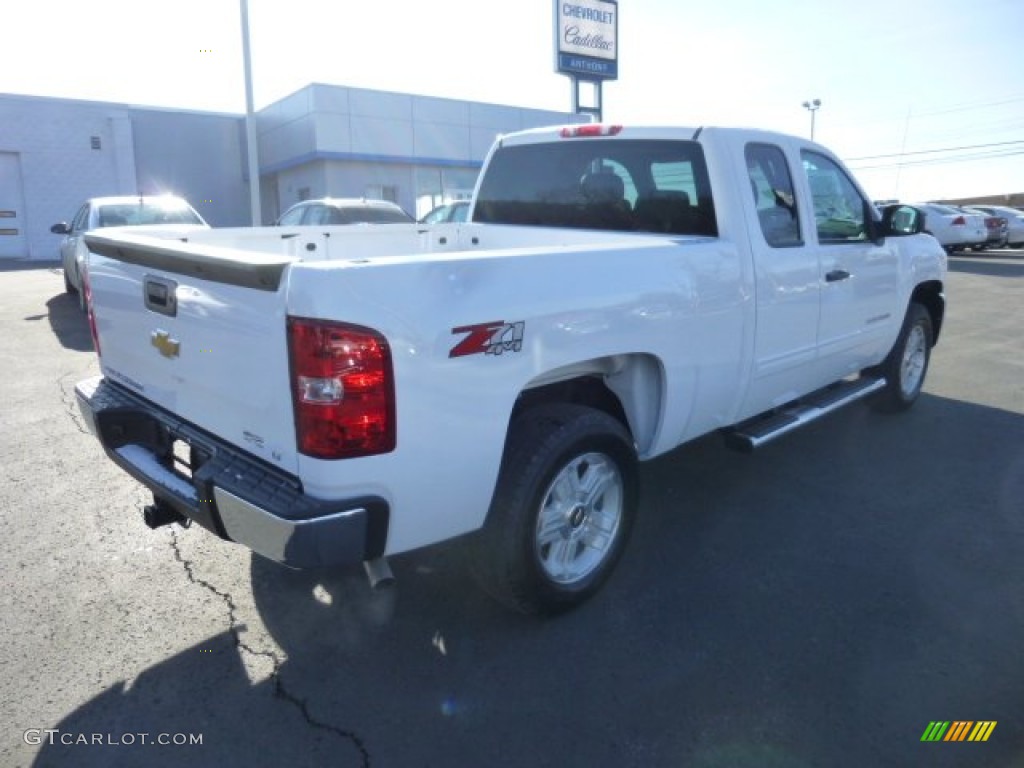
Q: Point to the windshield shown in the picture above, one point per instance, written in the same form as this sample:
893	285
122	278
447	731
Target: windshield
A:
139	214
368	215
448	212
618	184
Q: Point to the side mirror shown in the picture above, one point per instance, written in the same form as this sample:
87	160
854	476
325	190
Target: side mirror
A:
61	229
899	220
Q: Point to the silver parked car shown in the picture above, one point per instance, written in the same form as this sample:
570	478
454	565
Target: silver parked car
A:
954	229
161	212
997	227
1014	222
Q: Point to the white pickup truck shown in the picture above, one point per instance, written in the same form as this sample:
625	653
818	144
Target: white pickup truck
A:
332	395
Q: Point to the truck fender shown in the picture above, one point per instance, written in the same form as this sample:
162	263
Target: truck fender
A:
629	387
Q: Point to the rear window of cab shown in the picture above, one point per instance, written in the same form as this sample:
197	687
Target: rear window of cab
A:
626	185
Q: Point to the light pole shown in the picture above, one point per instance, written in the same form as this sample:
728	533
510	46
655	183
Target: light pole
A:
252	159
812	107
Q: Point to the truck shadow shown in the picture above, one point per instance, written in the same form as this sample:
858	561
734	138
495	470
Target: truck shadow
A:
1005	263
69	323
815	604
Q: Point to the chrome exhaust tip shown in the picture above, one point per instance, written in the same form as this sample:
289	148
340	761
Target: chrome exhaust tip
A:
379	573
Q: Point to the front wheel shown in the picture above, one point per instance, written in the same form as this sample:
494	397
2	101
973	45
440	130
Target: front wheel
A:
562	511
905	367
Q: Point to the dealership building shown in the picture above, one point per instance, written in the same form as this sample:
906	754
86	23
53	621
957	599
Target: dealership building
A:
323	140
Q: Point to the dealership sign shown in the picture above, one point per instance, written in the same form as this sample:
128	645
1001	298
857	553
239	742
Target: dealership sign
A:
586	38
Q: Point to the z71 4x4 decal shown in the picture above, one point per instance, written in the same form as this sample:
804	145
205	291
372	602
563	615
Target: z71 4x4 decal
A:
489	338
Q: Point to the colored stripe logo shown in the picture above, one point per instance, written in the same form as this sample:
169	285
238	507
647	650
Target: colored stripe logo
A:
959	730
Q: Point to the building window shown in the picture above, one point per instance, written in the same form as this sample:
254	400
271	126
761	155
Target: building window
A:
437	186
303	194
382	192
94	142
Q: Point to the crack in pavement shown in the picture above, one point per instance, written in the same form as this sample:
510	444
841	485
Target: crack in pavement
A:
275	659
70	403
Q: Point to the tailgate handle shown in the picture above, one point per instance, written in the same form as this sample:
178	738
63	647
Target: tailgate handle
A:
160	295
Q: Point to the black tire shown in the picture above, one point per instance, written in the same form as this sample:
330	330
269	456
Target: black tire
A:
68	287
509	556
81	296
905	367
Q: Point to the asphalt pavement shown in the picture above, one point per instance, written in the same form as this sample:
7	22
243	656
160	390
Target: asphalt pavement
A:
819	603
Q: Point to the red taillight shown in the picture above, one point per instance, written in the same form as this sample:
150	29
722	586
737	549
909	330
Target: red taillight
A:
87	295
589	129
959	221
342	389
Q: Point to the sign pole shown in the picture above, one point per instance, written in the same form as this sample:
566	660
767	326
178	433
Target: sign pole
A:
587	48
595	108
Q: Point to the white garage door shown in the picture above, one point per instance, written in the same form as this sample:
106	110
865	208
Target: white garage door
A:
12	210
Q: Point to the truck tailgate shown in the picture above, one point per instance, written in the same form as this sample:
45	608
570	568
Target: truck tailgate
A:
201	332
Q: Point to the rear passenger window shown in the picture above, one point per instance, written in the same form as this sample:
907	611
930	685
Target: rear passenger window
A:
772	187
839	210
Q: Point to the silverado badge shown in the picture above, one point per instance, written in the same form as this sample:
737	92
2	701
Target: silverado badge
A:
162	341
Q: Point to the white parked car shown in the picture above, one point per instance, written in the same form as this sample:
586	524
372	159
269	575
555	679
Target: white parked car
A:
457	211
953	228
334	211
163	212
1014	222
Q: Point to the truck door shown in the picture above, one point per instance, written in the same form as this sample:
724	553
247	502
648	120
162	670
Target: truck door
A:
787	276
859	278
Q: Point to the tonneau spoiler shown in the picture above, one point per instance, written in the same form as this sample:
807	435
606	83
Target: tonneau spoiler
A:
232	266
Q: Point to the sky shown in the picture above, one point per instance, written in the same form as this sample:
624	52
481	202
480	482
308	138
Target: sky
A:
924	99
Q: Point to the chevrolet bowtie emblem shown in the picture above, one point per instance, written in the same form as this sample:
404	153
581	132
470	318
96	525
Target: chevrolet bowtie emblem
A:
162	341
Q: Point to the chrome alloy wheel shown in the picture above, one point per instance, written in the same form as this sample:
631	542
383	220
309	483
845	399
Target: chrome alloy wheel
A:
915	356
579	518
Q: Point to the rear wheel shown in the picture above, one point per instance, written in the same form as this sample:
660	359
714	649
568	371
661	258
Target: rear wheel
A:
68	287
562	510
905	367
